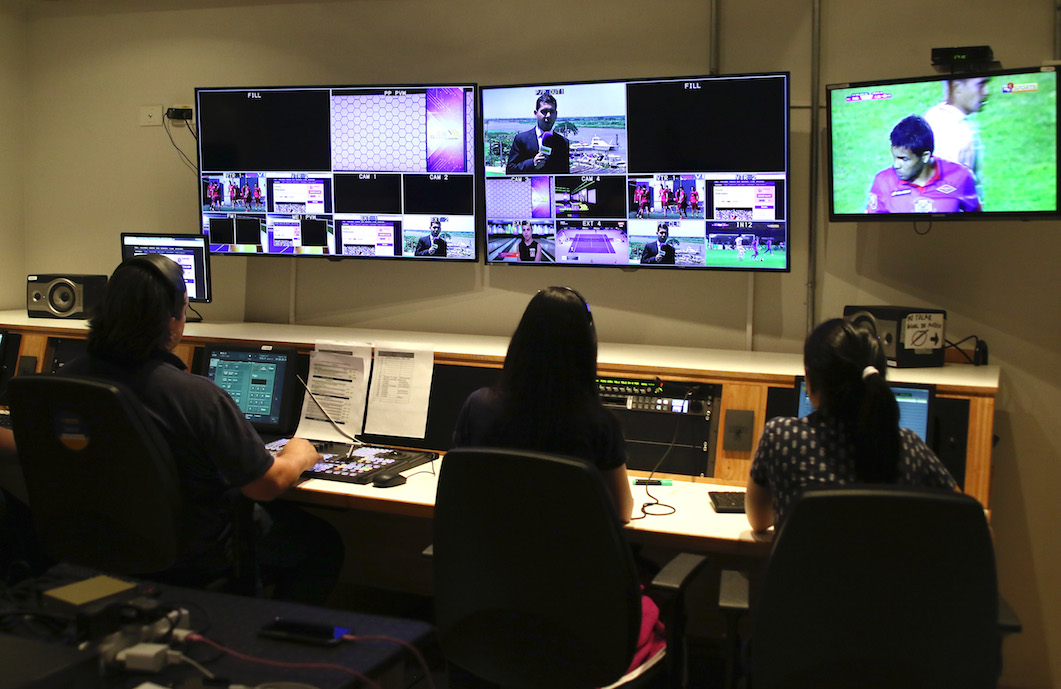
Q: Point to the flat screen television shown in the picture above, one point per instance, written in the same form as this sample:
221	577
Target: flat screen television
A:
992	139
188	251
367	172
685	173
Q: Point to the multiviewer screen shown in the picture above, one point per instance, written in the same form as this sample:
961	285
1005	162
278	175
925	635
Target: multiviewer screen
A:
351	172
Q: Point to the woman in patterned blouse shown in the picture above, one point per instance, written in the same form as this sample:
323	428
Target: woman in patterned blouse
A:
853	436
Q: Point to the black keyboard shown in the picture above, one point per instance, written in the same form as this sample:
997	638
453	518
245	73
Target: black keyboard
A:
361	464
727	501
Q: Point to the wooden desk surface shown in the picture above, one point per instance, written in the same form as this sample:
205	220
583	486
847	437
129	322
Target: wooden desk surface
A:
694	526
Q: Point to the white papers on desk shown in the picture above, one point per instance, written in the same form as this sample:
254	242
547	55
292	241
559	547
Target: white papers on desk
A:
401	387
338	381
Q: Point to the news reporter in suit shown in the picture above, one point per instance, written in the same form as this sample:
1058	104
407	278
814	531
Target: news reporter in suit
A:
432	244
659	251
540	149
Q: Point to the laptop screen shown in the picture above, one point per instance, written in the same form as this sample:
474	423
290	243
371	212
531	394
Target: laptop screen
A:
915	405
261	380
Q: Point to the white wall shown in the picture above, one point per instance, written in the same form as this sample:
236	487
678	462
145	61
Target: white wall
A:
83	68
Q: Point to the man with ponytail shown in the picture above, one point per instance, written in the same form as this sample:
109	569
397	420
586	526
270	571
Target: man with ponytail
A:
853	436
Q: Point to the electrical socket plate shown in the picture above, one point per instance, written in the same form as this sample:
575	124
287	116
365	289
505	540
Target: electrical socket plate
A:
150	115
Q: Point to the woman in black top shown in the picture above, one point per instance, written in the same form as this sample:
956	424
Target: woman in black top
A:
547	399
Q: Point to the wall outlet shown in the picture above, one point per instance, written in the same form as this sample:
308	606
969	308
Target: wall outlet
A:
150	115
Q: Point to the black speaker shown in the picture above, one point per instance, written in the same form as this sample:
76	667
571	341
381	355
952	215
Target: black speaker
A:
63	296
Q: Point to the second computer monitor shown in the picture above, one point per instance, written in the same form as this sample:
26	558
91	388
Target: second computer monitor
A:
188	251
915	406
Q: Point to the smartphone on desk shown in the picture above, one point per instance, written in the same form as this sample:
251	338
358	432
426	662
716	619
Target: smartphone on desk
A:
303	632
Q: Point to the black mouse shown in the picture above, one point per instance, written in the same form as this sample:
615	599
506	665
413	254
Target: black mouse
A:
387	480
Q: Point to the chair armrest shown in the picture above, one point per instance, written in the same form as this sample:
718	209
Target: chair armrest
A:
1008	621
677	573
733	590
672	582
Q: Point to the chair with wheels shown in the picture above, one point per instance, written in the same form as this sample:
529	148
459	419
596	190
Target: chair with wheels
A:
534	583
878	586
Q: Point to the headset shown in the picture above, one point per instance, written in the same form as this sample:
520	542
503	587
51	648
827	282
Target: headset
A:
171	273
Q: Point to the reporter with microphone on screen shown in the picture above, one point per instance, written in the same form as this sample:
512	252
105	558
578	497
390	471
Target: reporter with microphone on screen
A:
432	244
540	149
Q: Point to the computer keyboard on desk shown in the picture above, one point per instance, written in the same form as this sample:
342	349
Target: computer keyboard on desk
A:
361	464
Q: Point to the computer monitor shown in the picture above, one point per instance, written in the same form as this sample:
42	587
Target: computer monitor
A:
262	381
682	173
360	172
915	406
188	251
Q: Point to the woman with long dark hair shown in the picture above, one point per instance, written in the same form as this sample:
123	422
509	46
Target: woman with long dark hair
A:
547	399
853	436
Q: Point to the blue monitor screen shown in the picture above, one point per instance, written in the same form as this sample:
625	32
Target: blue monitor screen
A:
915	405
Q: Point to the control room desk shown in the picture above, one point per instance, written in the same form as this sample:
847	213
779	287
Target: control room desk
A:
747	380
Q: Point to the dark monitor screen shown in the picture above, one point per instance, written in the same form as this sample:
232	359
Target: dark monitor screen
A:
314	166
9	344
261	380
187	251
915	405
987	147
682	173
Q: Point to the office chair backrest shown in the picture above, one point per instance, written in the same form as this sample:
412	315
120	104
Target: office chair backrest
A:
879	586
534	584
102	486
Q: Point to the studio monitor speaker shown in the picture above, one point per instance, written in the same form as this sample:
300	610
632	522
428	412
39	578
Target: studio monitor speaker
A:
63	296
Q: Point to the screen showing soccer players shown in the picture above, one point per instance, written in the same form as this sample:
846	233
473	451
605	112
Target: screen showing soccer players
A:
950	146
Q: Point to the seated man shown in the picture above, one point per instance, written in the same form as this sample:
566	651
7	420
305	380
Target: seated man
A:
219	456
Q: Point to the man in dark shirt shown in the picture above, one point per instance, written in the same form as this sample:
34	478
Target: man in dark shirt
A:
219	456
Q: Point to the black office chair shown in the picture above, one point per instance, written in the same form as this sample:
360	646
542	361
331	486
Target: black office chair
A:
878	586
101	482
534	583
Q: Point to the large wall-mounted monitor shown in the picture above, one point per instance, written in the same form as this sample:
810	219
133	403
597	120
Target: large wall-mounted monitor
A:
188	251
368	172
986	147
689	173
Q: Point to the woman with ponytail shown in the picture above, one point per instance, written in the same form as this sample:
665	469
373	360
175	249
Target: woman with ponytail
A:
852	437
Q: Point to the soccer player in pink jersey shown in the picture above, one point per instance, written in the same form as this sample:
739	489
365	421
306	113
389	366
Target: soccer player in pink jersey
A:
917	181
